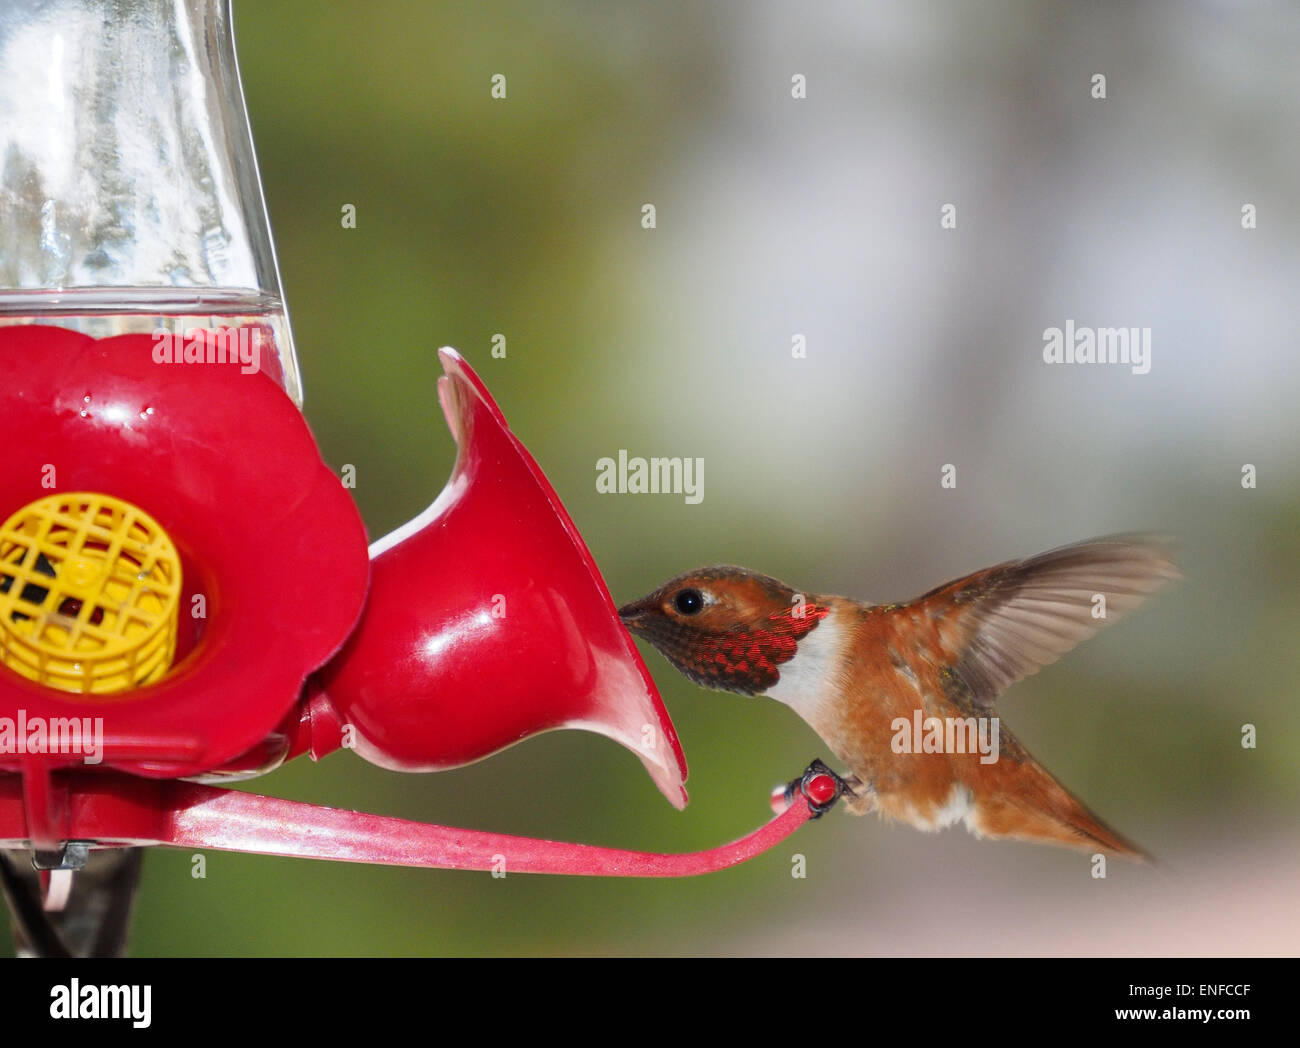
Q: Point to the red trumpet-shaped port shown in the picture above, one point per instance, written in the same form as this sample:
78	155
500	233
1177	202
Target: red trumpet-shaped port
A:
488	621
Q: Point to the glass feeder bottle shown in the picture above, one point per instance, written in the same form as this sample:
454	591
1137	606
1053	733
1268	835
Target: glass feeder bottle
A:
130	200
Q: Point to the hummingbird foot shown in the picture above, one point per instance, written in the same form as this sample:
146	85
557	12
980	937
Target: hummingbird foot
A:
860	797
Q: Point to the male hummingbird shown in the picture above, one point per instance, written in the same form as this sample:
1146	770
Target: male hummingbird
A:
904	694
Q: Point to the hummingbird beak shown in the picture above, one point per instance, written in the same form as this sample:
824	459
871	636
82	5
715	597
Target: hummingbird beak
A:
632	614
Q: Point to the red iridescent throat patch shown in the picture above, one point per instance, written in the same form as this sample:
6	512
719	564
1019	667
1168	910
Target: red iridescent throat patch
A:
746	660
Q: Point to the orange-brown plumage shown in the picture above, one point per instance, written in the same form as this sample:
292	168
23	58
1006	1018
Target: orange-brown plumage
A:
857	673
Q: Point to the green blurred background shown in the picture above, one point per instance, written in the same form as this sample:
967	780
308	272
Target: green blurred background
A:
818	217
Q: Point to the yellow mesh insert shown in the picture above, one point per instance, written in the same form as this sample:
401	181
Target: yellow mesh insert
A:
89	594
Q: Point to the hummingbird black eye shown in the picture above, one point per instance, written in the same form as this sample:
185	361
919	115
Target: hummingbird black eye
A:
688	601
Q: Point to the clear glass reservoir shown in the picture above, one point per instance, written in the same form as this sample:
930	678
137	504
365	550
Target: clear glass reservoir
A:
129	193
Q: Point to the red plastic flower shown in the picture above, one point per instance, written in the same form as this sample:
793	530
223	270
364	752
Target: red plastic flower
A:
267	536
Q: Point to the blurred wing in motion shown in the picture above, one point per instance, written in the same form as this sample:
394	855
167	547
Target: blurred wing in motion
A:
1002	624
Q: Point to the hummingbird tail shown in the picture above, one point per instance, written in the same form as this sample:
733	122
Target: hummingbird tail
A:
1035	807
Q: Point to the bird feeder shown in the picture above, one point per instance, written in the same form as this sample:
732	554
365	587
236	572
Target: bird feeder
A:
187	593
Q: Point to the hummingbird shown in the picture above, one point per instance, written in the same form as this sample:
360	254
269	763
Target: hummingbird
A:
905	694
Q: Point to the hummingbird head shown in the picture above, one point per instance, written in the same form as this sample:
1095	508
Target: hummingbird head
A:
725	627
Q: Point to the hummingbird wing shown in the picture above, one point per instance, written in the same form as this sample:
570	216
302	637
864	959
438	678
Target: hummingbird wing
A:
1004	623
